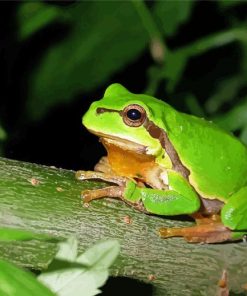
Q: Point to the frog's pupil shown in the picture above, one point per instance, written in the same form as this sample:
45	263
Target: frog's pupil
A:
134	114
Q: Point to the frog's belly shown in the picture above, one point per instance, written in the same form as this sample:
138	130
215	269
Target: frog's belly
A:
128	163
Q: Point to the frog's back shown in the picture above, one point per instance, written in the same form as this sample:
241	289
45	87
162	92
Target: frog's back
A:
217	160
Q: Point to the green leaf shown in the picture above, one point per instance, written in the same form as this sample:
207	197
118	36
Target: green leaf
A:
216	40
226	91
235	119
229	3
16	282
171	14
176	60
33	16
3	134
244	57
103	38
68	249
10	234
174	68
194	106
101	255
85	279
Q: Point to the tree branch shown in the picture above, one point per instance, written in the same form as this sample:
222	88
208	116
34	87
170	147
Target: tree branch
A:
47	200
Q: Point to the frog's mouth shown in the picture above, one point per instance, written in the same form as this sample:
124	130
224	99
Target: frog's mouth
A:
121	143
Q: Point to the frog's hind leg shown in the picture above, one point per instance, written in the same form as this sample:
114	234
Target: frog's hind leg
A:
230	225
207	230
234	213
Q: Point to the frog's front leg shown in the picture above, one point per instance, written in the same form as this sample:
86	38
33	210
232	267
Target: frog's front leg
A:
117	190
109	191
111	178
180	198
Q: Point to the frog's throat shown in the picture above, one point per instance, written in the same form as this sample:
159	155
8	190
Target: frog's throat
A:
125	145
154	132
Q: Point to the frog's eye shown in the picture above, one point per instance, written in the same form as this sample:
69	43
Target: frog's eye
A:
134	115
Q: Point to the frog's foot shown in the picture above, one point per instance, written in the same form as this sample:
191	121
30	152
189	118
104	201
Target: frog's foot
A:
213	232
114	191
89	175
111	191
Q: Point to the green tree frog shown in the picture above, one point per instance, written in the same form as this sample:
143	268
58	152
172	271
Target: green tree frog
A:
165	162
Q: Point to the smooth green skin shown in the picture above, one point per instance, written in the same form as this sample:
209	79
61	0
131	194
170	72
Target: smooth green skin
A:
217	161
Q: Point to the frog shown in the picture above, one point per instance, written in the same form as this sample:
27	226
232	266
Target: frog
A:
168	163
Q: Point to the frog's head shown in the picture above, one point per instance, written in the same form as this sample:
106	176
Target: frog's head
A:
128	120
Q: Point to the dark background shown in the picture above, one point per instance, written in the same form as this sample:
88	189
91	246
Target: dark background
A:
55	136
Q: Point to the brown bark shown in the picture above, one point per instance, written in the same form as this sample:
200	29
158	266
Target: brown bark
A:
47	200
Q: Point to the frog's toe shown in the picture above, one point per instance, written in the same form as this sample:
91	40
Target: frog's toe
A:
111	191
83	175
88	195
170	232
93	175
